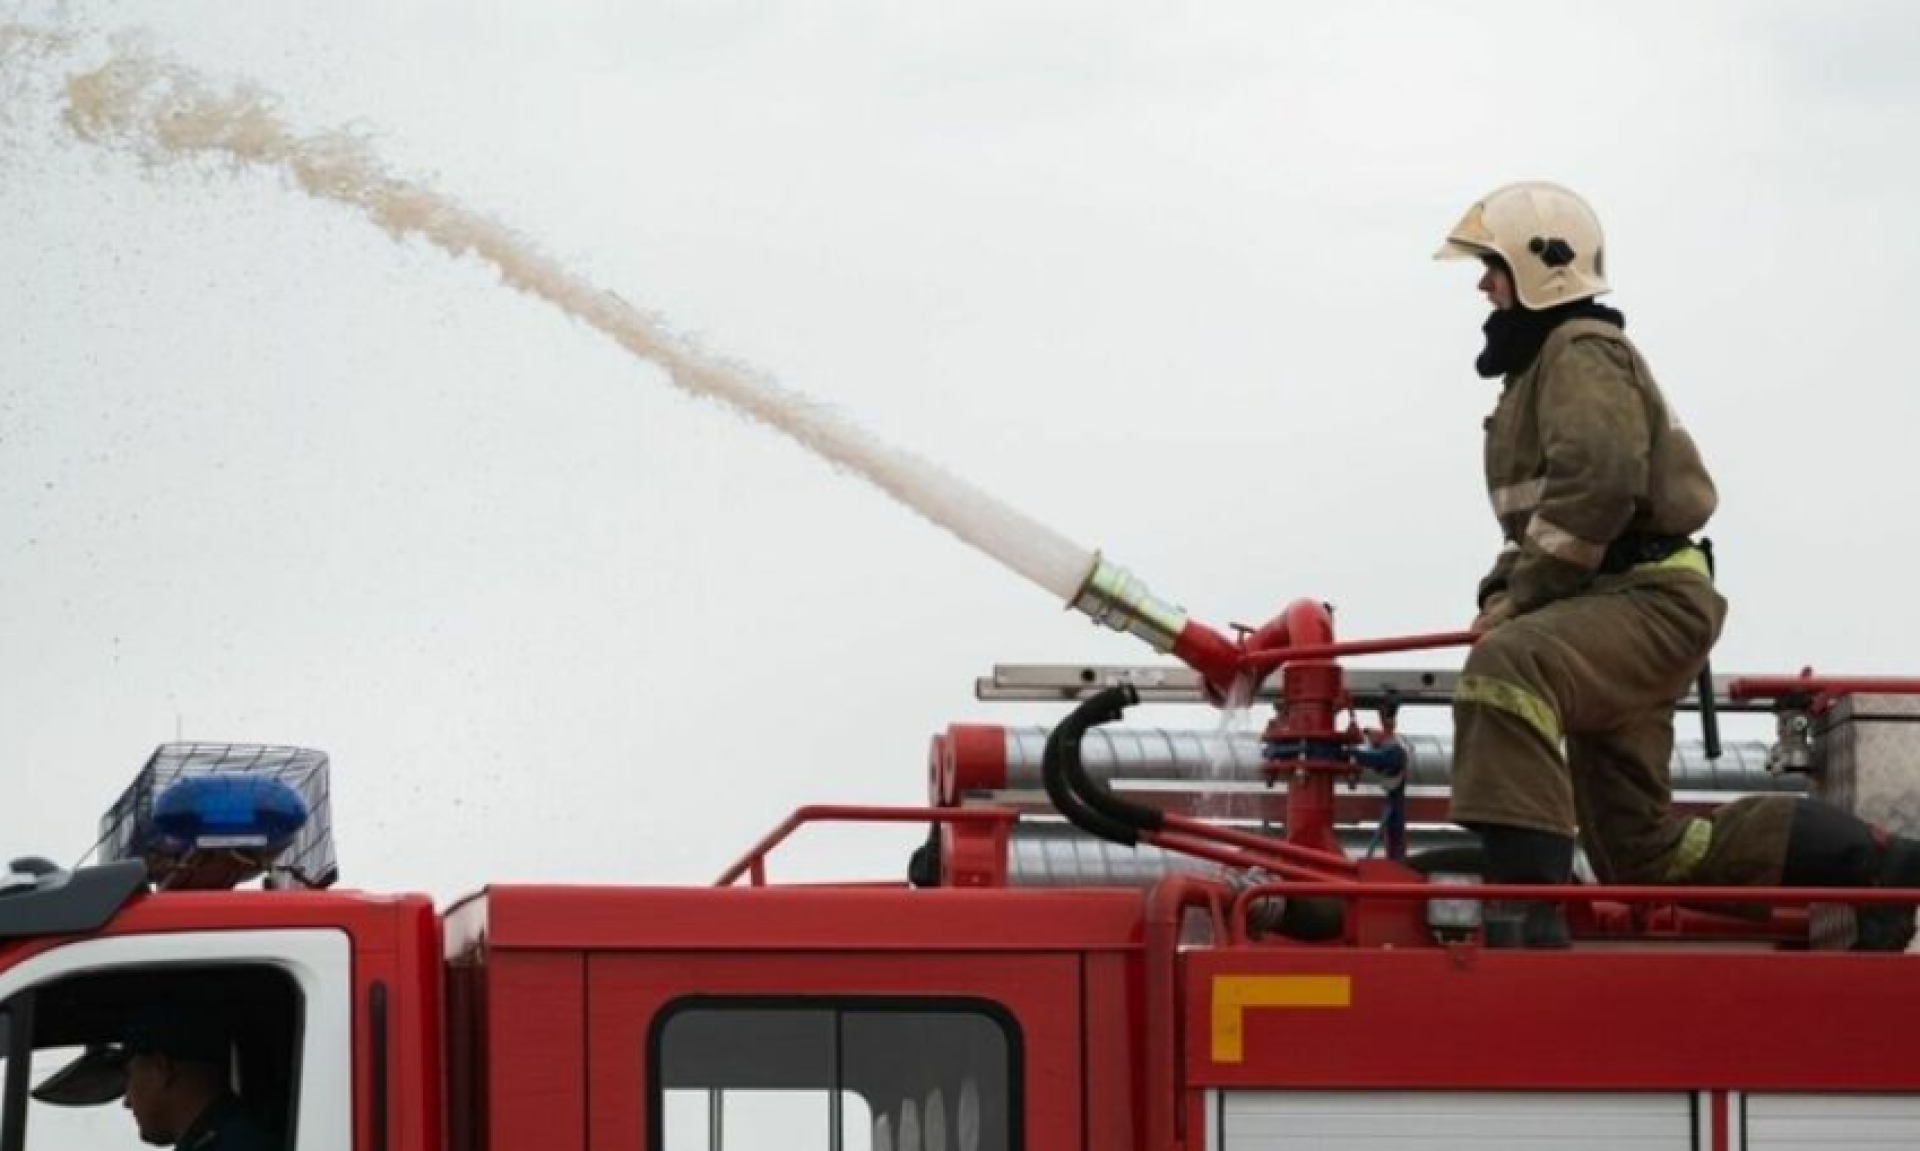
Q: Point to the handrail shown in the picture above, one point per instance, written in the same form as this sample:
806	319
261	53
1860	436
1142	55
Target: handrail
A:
1166	907
1266	659
754	862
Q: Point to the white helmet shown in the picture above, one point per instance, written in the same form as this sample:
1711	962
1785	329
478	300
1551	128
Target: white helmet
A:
1548	236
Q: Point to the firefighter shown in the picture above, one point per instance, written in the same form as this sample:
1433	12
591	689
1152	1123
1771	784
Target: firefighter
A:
1600	608
177	1084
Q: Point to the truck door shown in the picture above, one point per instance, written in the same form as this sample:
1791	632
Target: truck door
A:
275	1001
868	1051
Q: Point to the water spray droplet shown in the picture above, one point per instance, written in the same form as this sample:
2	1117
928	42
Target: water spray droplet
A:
166	115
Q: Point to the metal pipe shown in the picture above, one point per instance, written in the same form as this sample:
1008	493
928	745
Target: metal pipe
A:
1312	694
1251	849
1262	659
1302	623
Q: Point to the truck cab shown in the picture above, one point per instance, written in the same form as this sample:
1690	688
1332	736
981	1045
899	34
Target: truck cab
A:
328	998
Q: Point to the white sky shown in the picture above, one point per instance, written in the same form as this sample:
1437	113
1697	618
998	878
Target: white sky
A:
1156	274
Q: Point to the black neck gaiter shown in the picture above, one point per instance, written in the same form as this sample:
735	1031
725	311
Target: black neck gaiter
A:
1514	336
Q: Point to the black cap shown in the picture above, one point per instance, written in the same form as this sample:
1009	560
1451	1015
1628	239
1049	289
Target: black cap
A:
184	1031
99	1076
95	1078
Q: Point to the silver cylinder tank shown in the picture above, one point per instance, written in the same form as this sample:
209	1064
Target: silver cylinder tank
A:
1198	759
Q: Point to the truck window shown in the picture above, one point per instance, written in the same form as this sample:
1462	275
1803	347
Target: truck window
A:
846	1075
232	1033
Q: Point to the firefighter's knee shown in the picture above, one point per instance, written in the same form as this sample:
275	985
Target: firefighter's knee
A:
1482	699
1672	849
1636	862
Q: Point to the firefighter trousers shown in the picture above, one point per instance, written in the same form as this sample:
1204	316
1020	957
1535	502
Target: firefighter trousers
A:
1599	674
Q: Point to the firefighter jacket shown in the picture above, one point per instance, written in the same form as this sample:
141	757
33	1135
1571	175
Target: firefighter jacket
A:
1583	455
225	1126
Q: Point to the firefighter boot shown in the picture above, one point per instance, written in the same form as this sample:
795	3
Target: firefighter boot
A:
1522	855
1889	926
1826	847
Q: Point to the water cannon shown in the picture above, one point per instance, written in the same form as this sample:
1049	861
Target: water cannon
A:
1312	742
1300	635
1113	597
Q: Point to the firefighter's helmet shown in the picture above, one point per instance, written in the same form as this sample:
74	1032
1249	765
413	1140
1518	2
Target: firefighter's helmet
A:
1548	236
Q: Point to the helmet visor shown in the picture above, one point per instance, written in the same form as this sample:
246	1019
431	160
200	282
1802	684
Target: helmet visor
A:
1459	250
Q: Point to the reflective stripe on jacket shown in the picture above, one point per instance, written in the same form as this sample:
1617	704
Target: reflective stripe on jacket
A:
1581	449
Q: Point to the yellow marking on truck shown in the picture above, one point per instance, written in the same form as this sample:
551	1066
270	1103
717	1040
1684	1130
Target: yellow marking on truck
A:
1233	995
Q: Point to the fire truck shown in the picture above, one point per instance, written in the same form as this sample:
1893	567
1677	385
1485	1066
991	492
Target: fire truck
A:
1114	937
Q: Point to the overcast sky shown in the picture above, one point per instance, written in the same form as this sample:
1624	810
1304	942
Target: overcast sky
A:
1156	274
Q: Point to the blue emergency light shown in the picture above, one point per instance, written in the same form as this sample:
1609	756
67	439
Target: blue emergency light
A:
209	816
208	812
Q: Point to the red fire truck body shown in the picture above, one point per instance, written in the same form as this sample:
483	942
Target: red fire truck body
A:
548	1001
973	1010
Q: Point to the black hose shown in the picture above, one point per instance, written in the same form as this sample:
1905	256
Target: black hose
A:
1086	804
1709	713
1058	764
